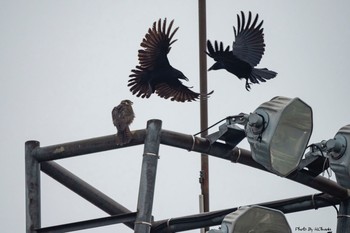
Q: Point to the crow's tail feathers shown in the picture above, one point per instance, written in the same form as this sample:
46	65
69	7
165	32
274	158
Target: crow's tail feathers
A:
124	137
261	75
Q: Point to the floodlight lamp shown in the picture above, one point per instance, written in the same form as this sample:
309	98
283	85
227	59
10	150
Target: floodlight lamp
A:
254	219
336	147
278	132
339	156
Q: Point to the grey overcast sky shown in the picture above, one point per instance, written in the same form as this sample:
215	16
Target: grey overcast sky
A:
65	64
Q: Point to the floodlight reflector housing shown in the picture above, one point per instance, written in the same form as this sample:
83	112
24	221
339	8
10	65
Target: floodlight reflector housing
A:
255	219
339	156
278	140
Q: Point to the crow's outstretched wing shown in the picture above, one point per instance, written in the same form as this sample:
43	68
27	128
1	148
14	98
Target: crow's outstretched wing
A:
178	92
156	45
249	43
139	82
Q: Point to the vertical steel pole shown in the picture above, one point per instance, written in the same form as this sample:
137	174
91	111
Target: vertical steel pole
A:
143	221
32	192
343	224
204	174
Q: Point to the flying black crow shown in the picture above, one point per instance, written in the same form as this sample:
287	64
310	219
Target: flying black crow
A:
246	53
154	74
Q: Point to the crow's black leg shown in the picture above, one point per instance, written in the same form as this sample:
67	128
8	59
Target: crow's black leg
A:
247	86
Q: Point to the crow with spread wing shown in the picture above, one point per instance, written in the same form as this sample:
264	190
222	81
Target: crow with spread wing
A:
154	74
246	53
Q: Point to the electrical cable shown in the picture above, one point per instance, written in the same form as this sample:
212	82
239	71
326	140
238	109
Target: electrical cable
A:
226	118
326	161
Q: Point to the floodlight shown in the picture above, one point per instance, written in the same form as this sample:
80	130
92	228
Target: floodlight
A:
254	219
278	132
339	156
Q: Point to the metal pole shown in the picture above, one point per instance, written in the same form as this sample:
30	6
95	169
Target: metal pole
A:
343	224
204	173
214	218
242	156
143	221
84	189
32	177
87	224
82	147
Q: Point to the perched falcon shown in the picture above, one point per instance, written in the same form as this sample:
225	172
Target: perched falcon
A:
154	74
123	115
246	53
